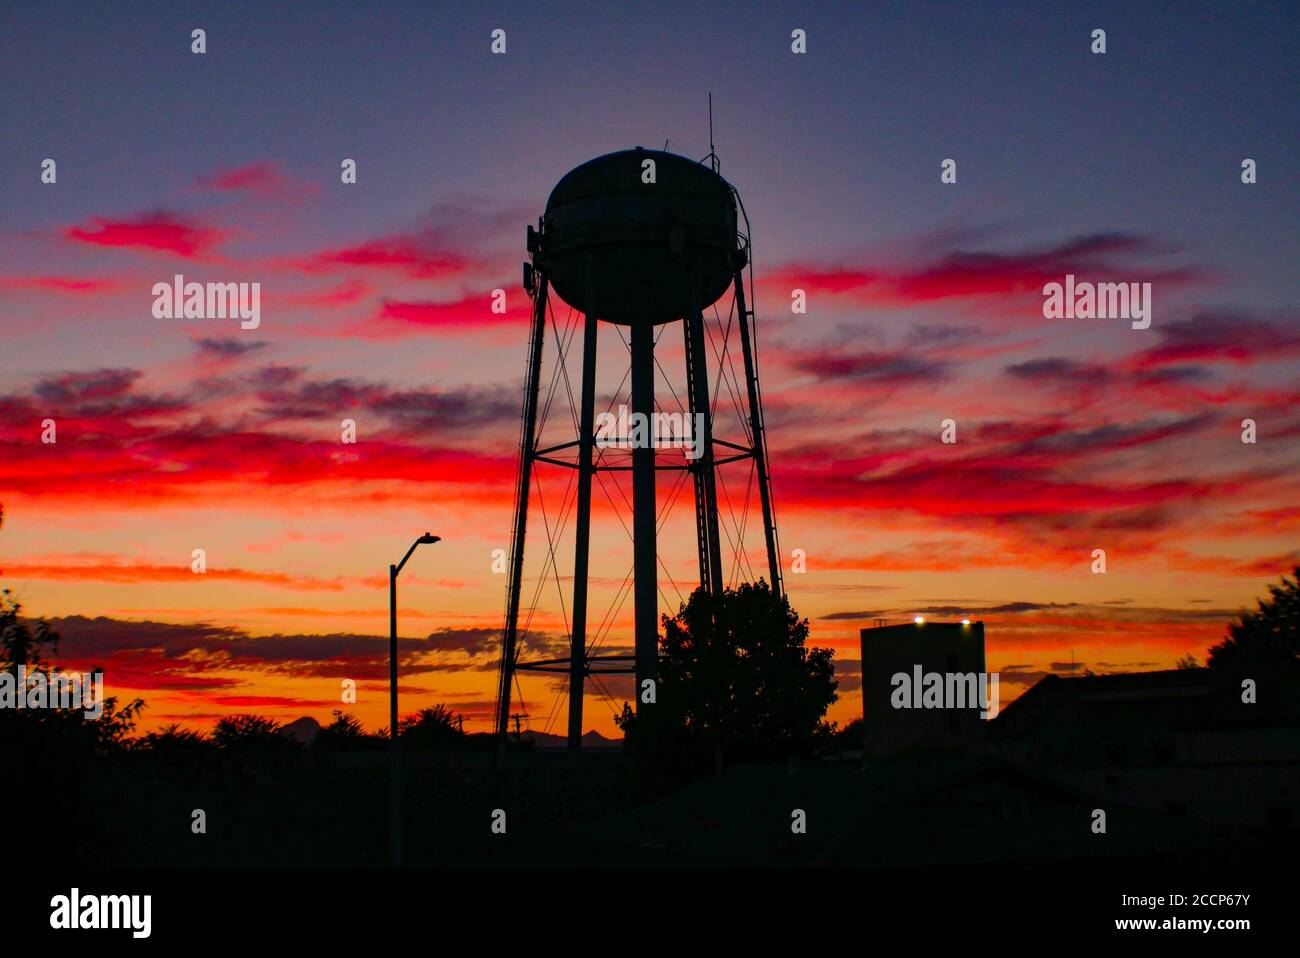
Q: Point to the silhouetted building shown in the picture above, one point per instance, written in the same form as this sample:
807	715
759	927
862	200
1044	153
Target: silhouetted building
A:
923	685
1187	741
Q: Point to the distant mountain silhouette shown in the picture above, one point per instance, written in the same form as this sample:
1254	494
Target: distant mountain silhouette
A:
592	739
302	730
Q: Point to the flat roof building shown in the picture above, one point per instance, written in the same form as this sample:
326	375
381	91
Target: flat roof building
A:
923	685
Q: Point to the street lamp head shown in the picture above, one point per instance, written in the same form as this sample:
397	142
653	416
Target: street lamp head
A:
427	539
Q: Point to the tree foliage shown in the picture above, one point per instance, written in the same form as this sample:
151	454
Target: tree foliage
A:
434	726
736	668
1268	635
176	745
23	642
20	639
345	733
250	733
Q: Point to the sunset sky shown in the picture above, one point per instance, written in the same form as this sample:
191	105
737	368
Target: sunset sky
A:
924	304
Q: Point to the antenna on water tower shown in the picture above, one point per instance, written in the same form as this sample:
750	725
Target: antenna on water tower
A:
713	154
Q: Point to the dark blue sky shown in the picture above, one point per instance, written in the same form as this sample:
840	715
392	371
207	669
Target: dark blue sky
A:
835	151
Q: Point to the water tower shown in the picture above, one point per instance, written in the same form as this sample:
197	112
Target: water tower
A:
638	239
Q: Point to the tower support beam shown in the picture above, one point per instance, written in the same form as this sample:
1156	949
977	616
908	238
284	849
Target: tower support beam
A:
644	513
527	452
702	469
758	435
582	537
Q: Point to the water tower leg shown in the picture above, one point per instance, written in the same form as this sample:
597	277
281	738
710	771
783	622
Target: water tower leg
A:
582	538
644	517
527	445
760	439
702	470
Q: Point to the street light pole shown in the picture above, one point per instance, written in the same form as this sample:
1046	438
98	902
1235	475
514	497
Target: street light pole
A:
394	740
394	757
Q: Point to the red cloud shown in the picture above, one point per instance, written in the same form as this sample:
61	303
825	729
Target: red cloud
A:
1225	336
156	231
62	284
467	313
110	568
117	440
113	569
263	701
965	274
944	556
420	256
142	464
892	368
1263	566
1036	487
980	487
342	294
262	178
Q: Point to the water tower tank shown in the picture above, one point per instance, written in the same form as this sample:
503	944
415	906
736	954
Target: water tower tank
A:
632	251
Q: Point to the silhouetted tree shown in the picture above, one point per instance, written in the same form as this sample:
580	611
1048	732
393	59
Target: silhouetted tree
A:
849	737
171	743
1270	634
59	751
436	726
250	733
20	641
344	733
735	668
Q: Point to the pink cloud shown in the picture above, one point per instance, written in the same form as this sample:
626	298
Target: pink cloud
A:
159	231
